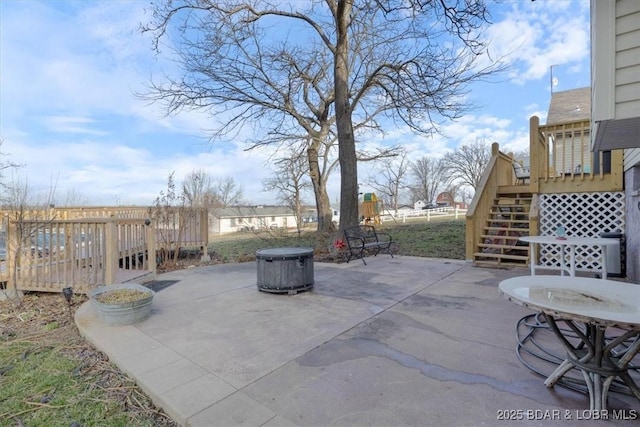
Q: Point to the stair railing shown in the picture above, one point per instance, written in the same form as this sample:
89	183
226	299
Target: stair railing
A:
499	172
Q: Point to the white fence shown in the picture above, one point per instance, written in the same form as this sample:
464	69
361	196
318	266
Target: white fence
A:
430	214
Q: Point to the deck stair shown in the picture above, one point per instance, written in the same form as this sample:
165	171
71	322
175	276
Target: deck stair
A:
508	219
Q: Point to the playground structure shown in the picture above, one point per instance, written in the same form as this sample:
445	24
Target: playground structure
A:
370	209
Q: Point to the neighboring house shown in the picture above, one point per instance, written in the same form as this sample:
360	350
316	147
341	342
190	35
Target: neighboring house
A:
250	218
423	205
615	82
335	215
441	204
445	199
310	214
570	146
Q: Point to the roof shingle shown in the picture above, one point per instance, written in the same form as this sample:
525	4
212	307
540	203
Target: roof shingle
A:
569	106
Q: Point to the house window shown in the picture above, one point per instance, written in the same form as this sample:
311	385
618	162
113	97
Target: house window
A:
273	219
232	222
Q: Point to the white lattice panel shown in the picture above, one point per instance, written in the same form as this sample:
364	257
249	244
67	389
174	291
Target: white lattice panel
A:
582	215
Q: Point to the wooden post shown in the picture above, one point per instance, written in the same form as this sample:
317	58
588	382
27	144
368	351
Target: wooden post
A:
111	252
617	170
151	247
534	155
204	233
11	256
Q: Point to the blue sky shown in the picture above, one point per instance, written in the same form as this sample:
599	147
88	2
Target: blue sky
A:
68	114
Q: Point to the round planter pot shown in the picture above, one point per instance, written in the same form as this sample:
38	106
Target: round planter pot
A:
124	312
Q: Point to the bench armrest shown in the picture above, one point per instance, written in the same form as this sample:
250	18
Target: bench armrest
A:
386	237
355	241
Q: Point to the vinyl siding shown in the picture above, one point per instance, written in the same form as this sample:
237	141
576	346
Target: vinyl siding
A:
631	158
627	48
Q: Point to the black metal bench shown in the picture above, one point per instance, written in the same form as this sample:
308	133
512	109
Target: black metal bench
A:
363	239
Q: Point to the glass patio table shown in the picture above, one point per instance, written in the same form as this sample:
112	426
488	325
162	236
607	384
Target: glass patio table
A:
588	307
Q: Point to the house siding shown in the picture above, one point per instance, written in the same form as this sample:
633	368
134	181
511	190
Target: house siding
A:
615	74
627	59
627	66
615	40
248	218
631	158
627	92
632	195
603	54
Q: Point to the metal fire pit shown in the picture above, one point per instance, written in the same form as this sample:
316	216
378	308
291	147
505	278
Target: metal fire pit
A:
285	270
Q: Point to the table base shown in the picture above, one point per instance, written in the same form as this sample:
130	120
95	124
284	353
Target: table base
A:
604	361
600	361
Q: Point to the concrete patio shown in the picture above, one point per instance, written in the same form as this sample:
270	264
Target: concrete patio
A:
399	342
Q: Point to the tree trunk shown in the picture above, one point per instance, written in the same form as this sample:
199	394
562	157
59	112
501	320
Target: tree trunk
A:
346	138
323	205
325	214
298	211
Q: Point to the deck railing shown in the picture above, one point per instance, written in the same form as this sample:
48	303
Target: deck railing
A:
498	173
49	255
180	227
49	249
101	212
562	161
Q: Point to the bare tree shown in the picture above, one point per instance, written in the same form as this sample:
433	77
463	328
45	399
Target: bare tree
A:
4	165
197	187
321	162
466	164
24	223
466	194
522	156
27	218
455	190
428	178
73	197
391	179
290	181
338	63
201	190
169	221
226	192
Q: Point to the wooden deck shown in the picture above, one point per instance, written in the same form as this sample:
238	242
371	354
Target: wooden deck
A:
84	250
563	147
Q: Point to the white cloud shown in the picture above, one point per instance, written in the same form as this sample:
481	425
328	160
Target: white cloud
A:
104	173
84	62
533	36
67	124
